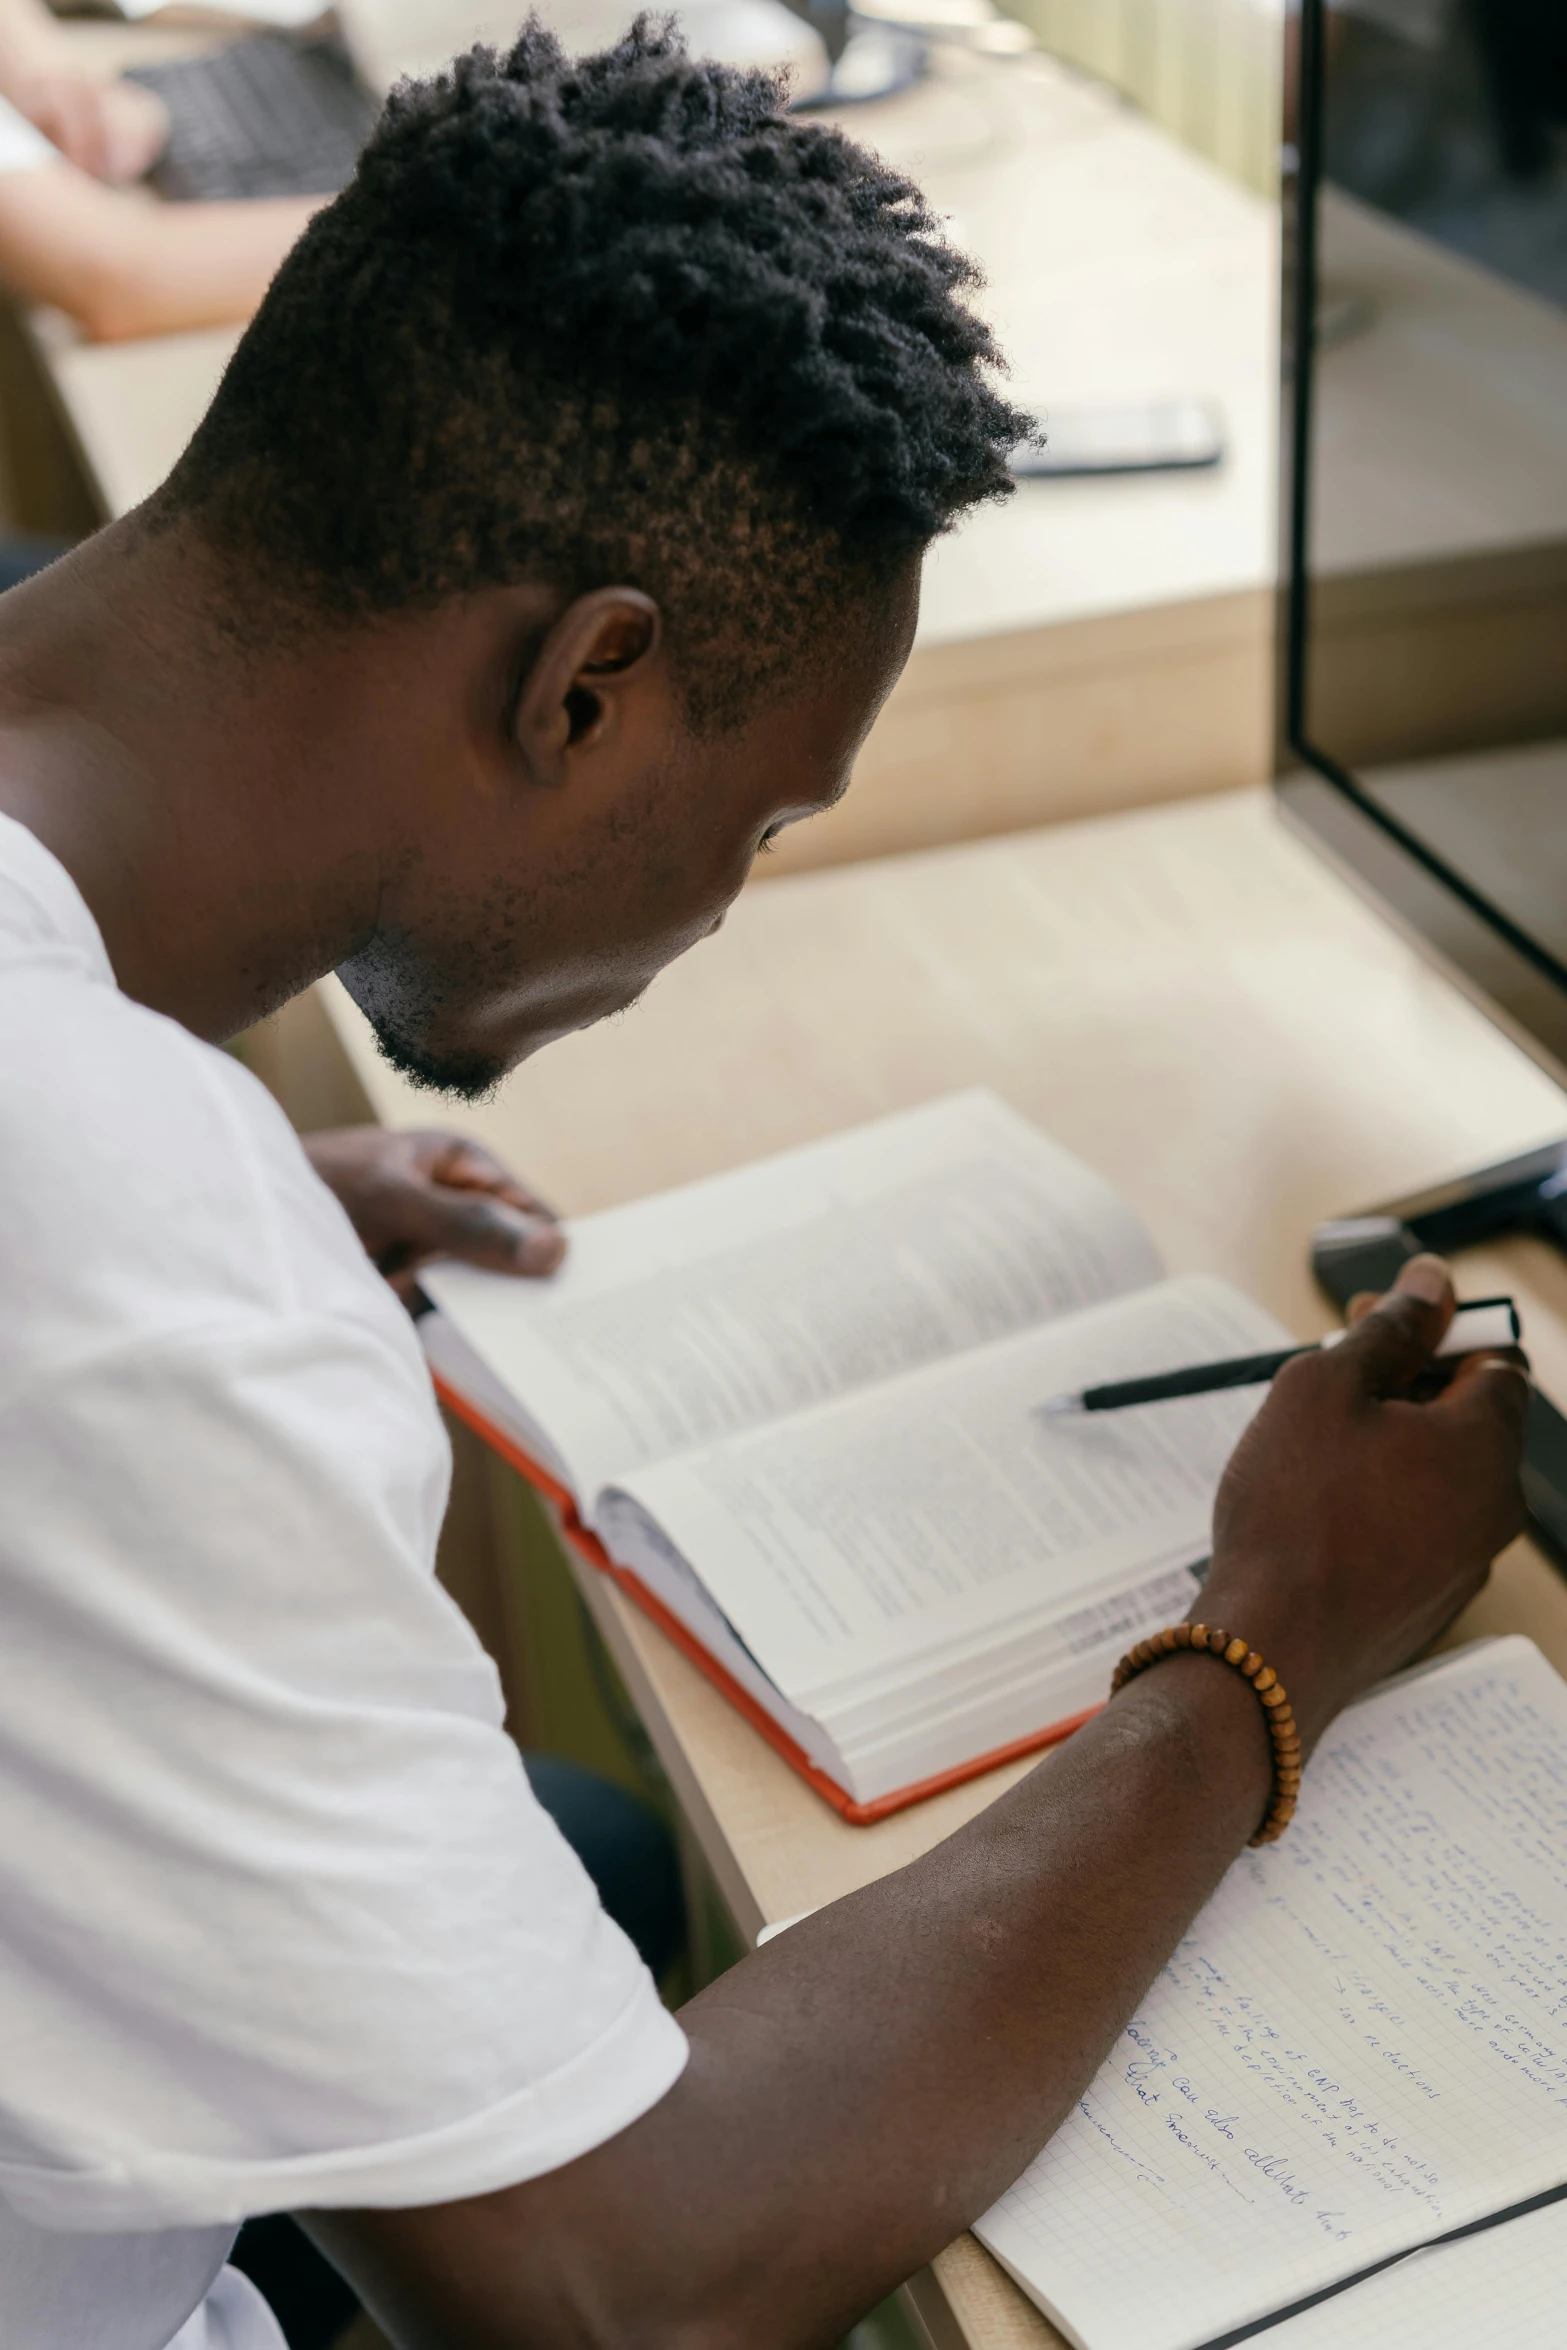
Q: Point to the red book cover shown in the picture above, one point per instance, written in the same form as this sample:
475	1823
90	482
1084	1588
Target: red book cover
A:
587	1546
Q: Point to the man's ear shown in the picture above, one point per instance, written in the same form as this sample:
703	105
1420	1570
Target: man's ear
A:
572	694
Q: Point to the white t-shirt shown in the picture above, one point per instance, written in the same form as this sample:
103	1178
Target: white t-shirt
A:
281	1922
22	147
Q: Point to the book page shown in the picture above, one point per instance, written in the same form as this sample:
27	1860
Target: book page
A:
1360	2045
737	1300
1504	2285
924	1514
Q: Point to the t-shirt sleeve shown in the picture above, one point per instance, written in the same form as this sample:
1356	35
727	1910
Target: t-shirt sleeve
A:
22	147
284	1923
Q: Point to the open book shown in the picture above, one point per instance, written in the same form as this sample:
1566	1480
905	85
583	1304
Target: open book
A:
1359	2048
794	1409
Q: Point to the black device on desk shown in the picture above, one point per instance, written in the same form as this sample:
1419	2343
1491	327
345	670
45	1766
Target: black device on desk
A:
266	116
1424	665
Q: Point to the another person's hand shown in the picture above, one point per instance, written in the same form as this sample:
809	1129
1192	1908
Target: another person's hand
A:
415	1197
1353	1524
114	130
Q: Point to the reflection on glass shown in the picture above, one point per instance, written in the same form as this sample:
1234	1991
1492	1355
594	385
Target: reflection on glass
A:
1438	476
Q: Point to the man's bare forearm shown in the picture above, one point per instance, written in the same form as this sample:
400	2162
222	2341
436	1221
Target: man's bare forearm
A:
865	2086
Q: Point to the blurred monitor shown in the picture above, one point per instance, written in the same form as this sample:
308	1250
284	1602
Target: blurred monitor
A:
1425	658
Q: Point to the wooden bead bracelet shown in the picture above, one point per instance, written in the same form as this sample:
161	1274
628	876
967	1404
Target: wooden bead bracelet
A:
1282	1727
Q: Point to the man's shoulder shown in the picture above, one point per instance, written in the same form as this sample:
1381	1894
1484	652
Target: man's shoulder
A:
151	1181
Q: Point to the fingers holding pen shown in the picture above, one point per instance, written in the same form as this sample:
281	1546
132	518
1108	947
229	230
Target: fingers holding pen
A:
1494	1384
1410	1321
1393	1338
1364	1504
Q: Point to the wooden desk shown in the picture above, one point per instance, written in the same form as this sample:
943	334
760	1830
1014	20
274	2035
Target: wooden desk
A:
1088	645
1183	995
129	408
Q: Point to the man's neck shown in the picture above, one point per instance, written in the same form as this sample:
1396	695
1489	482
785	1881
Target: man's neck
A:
177	776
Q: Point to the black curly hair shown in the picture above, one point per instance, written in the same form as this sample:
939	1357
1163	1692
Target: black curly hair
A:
617	319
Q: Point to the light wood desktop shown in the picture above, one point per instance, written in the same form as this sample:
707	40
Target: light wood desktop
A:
1090	644
1183	995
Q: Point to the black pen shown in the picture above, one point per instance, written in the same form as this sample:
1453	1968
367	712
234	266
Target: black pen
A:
1485	1324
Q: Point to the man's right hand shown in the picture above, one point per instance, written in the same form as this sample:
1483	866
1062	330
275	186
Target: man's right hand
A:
1353	1523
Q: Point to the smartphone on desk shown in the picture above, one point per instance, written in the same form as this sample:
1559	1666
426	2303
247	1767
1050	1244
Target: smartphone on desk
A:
1150	436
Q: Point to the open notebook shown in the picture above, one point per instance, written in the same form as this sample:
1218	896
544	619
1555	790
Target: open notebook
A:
1360	2046
794	1409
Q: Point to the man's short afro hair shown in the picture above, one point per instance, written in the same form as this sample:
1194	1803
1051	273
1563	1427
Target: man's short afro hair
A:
618	319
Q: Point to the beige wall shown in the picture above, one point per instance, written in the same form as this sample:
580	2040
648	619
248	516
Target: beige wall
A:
1207	70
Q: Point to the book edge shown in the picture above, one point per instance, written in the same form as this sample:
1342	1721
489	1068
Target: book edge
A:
592	1551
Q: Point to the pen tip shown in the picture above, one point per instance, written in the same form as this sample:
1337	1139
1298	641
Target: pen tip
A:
1056	1407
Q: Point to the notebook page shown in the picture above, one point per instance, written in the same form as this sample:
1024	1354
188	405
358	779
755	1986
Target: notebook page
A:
1361	2044
736	1300
1507	2285
909	1520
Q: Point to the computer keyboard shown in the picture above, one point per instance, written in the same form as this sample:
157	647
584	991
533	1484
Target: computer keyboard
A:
267	116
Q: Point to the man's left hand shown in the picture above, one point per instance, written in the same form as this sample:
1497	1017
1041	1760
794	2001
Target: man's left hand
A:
415	1197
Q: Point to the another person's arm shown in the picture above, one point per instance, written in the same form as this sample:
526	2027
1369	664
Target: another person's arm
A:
865	2086
102	123
123	266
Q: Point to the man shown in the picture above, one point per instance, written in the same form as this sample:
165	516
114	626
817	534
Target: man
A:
553	540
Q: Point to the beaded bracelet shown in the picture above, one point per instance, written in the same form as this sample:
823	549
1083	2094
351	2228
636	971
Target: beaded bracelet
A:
1282	1727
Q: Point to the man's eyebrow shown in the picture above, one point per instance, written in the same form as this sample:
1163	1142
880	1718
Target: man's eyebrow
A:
820	807
805	810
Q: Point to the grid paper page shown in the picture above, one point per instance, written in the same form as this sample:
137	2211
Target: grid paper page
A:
1507	2286
1361	2044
